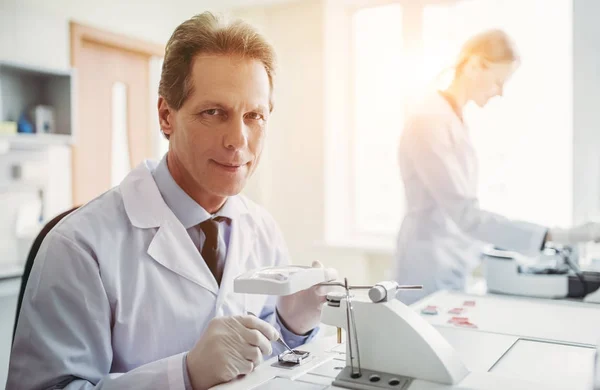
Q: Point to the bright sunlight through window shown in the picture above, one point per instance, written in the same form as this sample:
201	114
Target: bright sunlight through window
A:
534	118
378	117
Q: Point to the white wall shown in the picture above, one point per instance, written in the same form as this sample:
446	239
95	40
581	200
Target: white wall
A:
586	110
36	32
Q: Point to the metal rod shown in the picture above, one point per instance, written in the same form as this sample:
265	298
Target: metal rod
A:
355	339
340	284
348	325
285	344
364	287
410	287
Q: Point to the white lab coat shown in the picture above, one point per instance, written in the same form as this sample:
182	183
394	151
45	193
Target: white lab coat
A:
441	236
129	292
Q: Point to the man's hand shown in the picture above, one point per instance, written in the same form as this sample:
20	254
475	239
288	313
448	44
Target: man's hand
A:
230	347
301	312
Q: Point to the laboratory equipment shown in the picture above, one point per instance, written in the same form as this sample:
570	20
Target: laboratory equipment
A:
291	359
373	355
389	345
393	346
282	280
593	297
553	274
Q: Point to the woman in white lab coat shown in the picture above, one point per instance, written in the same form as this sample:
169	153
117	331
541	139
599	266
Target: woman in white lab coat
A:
441	237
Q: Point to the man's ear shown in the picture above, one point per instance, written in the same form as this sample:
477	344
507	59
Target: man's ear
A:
165	117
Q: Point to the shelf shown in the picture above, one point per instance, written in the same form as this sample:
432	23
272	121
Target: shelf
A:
28	141
22	88
33	70
10	271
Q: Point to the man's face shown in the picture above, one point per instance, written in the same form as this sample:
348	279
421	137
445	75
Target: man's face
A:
217	136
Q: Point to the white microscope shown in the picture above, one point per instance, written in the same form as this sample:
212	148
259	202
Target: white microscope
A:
390	346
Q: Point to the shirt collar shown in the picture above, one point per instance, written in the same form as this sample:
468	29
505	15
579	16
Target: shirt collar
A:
187	211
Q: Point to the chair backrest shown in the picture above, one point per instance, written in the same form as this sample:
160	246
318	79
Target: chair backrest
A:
31	257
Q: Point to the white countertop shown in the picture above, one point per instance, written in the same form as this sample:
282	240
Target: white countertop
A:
538	319
519	344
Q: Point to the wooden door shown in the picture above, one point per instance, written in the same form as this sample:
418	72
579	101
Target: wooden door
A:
103	60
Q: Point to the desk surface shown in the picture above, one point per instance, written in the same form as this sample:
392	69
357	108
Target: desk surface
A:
538	319
522	369
520	344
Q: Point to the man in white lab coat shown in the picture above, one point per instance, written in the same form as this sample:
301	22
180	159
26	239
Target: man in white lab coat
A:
135	289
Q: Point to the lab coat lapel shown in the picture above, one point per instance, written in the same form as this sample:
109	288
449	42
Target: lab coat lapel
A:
171	246
174	249
241	244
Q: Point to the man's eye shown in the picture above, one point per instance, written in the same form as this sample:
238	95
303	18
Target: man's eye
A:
255	116
212	112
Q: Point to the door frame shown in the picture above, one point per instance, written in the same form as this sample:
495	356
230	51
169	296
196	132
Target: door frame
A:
80	33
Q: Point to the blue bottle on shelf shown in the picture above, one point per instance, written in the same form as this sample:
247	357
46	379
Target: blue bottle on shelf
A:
24	125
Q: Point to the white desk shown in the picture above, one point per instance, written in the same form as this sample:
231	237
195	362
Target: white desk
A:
523	344
539	319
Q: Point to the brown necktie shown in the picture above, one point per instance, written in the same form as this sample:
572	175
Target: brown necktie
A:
212	252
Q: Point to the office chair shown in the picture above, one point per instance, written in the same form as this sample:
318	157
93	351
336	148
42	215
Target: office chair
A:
31	257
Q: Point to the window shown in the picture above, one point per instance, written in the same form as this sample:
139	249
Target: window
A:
377	115
120	159
523	140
